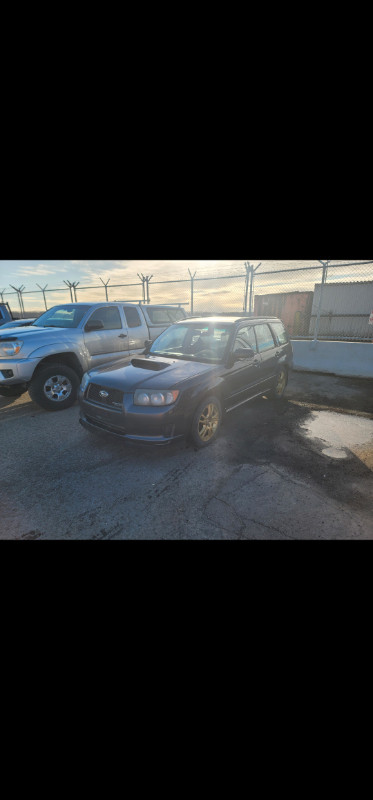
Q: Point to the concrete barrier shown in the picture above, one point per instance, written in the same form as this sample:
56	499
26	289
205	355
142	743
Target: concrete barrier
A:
348	359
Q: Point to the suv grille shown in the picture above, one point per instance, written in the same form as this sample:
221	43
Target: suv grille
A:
113	400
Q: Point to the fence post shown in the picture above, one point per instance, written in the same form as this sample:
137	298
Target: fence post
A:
148	279
106	285
250	271
20	298
70	285
43	290
191	292
143	281
325	265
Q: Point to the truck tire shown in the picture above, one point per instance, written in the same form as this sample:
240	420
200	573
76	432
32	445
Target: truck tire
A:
54	387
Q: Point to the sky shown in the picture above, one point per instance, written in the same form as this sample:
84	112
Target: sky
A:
32	274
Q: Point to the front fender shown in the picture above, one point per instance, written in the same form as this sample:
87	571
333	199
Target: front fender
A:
59	348
212	385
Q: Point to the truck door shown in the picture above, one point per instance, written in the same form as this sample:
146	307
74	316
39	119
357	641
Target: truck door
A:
111	341
137	329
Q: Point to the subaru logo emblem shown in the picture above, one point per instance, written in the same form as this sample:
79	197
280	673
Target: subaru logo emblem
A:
104	394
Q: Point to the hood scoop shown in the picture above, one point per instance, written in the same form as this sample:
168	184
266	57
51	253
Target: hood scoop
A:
144	363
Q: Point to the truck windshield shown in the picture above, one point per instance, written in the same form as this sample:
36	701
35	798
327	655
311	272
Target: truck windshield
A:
68	316
194	342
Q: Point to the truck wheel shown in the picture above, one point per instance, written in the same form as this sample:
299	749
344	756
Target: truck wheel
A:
54	387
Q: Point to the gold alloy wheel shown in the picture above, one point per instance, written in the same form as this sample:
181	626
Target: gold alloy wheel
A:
281	383
208	422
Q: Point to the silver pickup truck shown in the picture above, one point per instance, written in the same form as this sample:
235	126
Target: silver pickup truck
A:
49	358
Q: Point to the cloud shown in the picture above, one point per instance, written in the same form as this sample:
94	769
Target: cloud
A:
40	269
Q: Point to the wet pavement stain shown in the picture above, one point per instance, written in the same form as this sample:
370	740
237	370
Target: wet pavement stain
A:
339	440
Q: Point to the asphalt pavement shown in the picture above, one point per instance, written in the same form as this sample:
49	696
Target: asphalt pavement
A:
298	469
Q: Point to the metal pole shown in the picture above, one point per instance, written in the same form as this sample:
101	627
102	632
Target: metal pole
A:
325	265
20	299
142	279
247	267
191	292
106	285
250	271
148	279
43	290
70	285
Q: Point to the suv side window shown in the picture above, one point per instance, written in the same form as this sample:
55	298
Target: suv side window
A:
264	337
132	316
280	332
110	316
245	338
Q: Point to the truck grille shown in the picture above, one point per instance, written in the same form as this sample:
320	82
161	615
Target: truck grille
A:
114	397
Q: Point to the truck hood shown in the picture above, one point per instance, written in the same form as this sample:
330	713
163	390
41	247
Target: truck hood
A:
33	331
147	372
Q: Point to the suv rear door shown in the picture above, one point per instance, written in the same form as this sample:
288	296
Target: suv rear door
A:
267	349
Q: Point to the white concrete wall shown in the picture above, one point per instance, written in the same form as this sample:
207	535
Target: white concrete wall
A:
349	359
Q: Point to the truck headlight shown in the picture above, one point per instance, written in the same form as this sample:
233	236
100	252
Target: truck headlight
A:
10	348
144	397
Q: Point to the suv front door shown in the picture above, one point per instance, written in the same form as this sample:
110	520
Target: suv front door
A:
244	380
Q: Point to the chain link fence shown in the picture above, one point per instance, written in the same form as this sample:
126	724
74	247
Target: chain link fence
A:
315	299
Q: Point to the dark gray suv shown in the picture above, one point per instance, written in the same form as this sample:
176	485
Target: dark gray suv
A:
196	372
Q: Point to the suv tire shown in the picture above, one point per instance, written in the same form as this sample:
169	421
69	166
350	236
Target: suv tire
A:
206	422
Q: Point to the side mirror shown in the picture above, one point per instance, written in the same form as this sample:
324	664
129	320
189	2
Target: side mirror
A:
148	344
95	325
242	354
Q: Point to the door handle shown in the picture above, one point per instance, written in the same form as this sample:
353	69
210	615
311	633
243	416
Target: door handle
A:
257	362
122	336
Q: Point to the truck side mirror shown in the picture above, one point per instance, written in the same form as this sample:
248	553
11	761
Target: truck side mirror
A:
148	344
94	325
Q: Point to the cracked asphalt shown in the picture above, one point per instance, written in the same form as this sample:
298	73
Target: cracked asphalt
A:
300	469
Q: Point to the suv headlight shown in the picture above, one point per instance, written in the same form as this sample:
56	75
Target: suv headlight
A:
10	348
155	398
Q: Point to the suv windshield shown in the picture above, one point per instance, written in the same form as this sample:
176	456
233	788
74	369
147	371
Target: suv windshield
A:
194	342
67	316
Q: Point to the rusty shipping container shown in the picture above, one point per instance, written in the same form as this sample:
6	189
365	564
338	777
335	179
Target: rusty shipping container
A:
293	308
